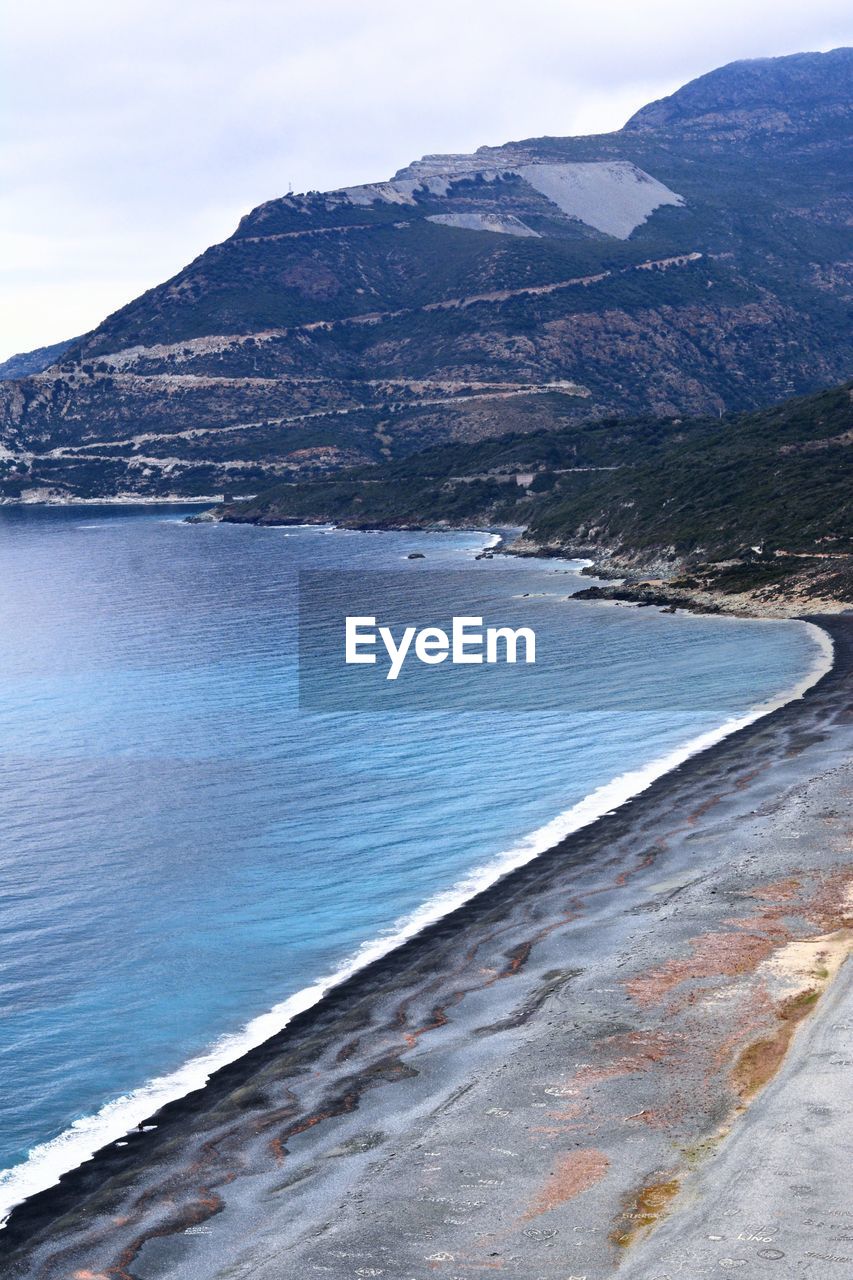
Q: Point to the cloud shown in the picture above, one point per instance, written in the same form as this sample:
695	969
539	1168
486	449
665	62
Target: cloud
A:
139	133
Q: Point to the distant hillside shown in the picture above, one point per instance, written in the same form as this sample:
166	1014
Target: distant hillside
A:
770	491
29	362
695	262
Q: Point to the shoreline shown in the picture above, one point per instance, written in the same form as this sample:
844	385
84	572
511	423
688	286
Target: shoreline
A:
642	587
39	1209
93	1134
644	583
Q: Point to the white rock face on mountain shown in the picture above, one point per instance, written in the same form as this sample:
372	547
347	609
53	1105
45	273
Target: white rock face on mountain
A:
505	224
613	196
395	192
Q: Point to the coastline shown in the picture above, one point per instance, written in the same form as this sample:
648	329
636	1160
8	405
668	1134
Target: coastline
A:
646	580
664	595
379	981
643	581
54	1159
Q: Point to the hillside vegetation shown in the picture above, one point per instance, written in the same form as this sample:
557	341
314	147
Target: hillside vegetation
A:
695	262
753	494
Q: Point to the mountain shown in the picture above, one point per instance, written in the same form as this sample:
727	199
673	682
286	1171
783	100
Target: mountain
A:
773	99
694	262
758	502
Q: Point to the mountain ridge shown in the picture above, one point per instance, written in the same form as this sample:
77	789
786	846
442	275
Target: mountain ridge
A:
641	271
761	86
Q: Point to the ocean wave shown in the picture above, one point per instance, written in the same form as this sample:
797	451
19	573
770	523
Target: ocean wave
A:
48	1161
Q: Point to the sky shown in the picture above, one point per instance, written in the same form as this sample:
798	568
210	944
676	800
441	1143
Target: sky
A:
134	134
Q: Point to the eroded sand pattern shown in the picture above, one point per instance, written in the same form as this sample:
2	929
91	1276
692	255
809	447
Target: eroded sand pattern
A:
629	1057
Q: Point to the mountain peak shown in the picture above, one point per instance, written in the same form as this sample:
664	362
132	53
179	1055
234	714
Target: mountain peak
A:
693	262
768	96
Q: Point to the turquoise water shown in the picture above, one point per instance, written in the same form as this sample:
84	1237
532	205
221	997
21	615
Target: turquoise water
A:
184	850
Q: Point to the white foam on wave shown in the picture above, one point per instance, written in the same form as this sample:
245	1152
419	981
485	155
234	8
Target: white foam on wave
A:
77	1144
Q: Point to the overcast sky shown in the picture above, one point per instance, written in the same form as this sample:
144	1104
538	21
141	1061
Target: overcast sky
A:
135	133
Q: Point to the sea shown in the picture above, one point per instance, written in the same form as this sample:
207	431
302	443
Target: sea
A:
189	855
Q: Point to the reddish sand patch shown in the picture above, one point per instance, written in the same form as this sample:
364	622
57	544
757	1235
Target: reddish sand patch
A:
596	1075
700	811
755	1012
714	955
567	1113
760	1062
830	906
640	1051
571	1175
647	1046
567	1120
752	938
643	1211
778	891
665	1117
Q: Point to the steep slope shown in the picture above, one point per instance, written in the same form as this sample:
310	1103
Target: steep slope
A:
760	502
696	261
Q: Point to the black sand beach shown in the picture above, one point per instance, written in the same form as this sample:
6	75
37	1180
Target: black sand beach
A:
627	1056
